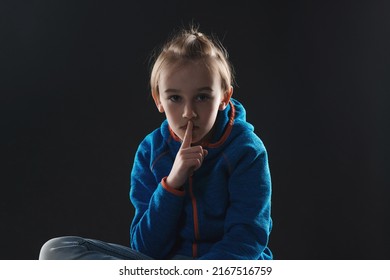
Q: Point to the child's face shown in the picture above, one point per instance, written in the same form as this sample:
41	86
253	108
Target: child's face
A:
191	92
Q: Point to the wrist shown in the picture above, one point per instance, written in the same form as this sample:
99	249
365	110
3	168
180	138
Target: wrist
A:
178	192
173	184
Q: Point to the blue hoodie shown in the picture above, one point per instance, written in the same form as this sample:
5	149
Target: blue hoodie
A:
224	209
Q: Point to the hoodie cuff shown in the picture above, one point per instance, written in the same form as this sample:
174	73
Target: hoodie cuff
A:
178	192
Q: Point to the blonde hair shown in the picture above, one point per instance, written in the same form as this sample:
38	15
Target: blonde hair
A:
192	45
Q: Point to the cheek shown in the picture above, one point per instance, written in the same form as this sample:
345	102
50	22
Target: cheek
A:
171	113
209	114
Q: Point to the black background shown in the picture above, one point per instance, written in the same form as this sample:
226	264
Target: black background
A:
74	97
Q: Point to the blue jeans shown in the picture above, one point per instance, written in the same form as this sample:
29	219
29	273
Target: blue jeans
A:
78	248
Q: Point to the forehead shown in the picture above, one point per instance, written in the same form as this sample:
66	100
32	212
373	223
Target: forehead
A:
189	73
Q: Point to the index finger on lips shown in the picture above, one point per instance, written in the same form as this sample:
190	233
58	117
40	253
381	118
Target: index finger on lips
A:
187	136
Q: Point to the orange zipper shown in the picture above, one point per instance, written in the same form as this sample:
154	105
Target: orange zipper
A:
195	217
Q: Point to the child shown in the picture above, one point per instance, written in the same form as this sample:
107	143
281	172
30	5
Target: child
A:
200	183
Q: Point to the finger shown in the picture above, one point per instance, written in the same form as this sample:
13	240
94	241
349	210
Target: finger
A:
187	136
195	159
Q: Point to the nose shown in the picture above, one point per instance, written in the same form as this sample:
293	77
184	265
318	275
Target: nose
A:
189	112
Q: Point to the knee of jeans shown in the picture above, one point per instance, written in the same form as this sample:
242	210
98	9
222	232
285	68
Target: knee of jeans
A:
48	250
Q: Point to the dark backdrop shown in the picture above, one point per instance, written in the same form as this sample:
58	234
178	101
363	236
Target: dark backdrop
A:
313	75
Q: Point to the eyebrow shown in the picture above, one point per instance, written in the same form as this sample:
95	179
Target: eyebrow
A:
172	90
205	88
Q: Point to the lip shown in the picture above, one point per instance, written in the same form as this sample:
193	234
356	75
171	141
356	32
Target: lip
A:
184	127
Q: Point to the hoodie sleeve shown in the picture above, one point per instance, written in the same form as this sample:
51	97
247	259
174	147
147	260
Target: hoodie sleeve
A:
248	220
157	208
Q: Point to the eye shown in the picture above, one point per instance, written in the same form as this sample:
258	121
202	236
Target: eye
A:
202	97
174	98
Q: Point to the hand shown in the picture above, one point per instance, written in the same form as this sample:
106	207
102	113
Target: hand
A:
187	160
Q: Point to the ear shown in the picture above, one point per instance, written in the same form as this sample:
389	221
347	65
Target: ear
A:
156	98
226	98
